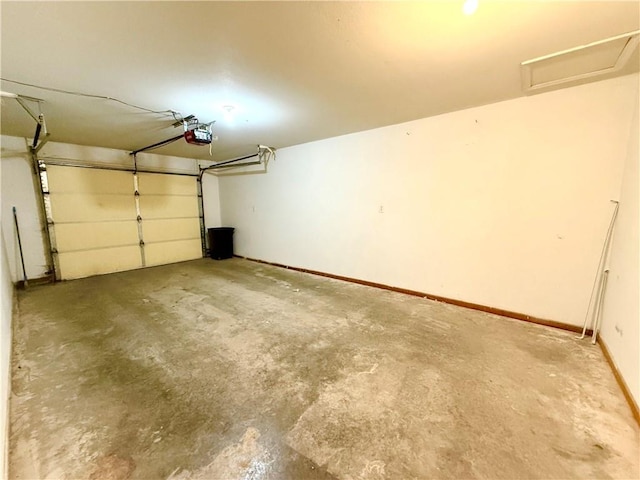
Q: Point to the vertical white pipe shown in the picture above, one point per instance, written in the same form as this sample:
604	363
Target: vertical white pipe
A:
596	290
598	316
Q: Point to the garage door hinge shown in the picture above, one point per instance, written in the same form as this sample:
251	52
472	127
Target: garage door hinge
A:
142	243
54	250
139	218
136	193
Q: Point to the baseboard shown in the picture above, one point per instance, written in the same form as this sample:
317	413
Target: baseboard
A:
483	308
437	298
623	385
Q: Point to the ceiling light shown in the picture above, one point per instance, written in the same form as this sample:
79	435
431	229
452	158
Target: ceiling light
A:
8	95
470	6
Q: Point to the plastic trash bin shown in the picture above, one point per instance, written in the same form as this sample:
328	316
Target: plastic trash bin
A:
221	242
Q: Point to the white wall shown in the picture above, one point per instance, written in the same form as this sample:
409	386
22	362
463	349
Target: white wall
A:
504	205
621	313
211	195
18	189
6	310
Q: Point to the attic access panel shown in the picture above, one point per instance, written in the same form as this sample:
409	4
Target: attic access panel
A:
578	64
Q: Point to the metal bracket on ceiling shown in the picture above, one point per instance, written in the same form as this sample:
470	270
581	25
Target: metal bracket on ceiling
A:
180	123
39	128
189	123
264	154
21	101
41	125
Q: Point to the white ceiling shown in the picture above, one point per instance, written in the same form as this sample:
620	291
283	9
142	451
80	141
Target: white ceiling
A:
295	71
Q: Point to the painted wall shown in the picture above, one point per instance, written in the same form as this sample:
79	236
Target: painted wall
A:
19	189
505	205
621	312
6	311
211	193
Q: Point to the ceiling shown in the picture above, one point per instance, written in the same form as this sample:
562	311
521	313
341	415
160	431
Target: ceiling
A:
293	71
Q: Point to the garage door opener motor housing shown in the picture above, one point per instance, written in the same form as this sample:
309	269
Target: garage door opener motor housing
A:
197	133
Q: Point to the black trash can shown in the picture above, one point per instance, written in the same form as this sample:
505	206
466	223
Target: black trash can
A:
221	242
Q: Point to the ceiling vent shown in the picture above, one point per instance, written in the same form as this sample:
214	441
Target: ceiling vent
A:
579	64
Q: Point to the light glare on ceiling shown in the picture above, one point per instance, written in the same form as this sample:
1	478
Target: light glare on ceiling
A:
227	111
470	6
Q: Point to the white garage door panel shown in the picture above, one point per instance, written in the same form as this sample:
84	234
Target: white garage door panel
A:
95	220
171	252
166	206
170	218
78	207
172	229
90	181
84	236
158	184
94	262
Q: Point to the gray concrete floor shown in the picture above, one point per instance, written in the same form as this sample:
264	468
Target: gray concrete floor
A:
236	370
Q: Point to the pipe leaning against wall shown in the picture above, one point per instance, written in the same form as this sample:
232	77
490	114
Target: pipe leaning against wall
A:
24	270
596	291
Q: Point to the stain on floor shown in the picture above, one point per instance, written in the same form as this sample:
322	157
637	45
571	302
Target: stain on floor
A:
236	370
112	467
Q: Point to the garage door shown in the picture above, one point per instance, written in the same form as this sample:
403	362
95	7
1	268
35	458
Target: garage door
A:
170	218
101	226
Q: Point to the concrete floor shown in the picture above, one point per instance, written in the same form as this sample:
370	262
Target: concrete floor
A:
236	370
